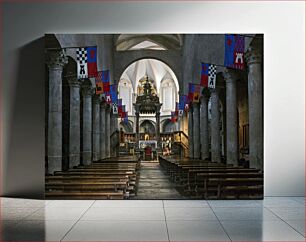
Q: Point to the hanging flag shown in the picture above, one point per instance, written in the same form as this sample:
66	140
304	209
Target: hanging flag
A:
115	108
105	80
99	83
182	104
124	114
173	117
176	109
113	93
197	93
120	107
108	98
234	51
183	101
126	119
191	92
87	62
208	75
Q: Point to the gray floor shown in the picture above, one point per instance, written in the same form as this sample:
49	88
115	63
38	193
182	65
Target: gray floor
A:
154	184
274	219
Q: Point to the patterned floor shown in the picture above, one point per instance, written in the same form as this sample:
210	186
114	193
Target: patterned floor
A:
271	219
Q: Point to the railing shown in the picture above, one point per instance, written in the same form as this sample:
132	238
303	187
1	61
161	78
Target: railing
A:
182	138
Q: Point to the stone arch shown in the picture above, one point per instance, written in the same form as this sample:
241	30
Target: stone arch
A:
168	126
147	126
127	127
171	67
123	59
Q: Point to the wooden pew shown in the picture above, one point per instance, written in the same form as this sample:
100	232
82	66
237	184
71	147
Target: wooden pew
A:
107	179
85	195
213	185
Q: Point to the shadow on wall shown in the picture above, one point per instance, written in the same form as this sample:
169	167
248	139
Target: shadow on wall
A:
24	168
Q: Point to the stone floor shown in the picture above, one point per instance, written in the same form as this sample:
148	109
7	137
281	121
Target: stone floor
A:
273	219
154	184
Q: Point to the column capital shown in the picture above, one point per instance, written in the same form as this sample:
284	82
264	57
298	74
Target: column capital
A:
204	99
195	105
103	104
214	91
87	90
73	81
230	75
253	55
107	107
205	95
96	99
56	59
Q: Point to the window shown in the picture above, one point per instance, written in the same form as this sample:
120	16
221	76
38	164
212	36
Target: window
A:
167	98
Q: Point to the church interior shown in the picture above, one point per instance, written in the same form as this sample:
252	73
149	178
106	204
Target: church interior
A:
79	164
151	127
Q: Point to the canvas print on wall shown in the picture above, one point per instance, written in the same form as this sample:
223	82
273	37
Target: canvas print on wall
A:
154	116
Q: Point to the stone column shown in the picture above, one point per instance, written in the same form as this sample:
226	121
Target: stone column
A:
137	126
88	92
196	131
113	135
158	125
190	132
215	127
231	117
204	127
55	60
96	128
255	97
107	131
74	122
102	130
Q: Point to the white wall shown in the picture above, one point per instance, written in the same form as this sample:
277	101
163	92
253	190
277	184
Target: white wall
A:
24	24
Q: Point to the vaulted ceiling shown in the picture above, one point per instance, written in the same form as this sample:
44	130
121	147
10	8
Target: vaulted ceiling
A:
165	41
154	69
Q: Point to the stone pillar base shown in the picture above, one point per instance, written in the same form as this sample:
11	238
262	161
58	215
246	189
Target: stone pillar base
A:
87	158
74	160
54	164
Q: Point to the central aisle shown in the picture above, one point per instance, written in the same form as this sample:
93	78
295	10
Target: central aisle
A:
154	184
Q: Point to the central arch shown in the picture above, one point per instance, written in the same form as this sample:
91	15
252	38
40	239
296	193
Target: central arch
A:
163	80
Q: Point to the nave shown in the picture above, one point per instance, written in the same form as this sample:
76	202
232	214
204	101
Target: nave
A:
171	177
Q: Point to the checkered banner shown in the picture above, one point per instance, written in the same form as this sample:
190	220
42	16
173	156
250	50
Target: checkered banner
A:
208	75
86	62
212	71
115	108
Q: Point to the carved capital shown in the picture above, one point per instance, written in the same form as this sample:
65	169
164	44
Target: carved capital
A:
103	104
204	99
230	75
87	90
56	59
96	99
73	81
253	55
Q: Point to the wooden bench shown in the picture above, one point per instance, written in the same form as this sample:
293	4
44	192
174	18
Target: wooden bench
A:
106	179
213	180
85	195
214	184
94	185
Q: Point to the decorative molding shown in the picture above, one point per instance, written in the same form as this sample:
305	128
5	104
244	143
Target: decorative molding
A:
73	81
230	75
56	59
253	55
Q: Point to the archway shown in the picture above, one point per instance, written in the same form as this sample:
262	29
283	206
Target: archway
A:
162	78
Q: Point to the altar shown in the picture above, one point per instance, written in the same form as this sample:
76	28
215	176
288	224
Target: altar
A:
148	103
145	143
